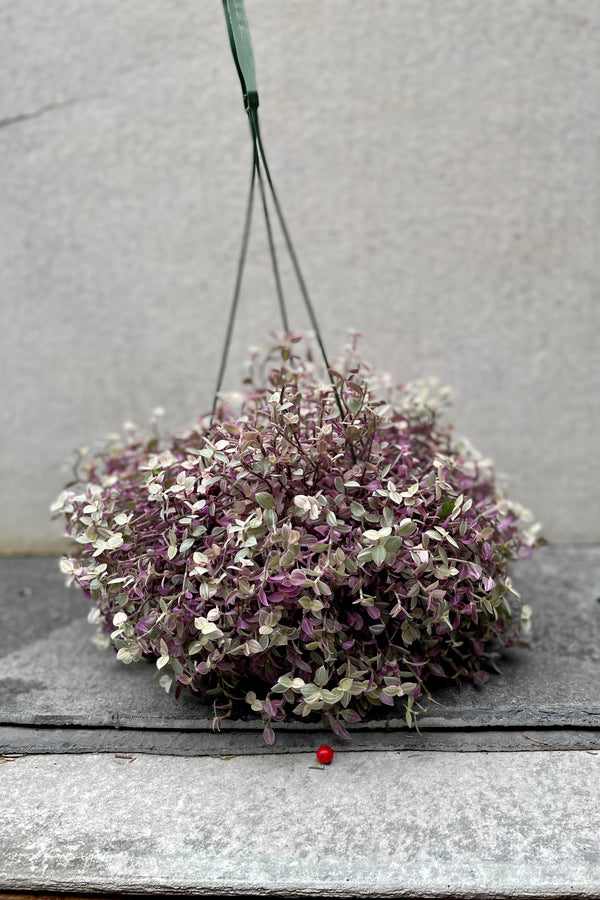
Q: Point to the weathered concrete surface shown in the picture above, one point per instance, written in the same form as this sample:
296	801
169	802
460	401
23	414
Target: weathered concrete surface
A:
383	825
56	676
20	739
61	678
437	162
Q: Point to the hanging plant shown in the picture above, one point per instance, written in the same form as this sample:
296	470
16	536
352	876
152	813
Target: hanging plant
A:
324	549
298	561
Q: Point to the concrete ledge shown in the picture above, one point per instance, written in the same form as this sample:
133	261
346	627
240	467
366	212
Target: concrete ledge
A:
387	825
17	740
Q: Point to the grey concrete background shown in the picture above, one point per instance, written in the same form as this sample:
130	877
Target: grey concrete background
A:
438	161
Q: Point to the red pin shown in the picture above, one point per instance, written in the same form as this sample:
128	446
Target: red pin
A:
325	754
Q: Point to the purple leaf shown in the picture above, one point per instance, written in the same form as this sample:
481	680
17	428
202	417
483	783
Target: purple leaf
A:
297	577
269	735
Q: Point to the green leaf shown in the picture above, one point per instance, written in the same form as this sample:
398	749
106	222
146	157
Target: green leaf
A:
446	509
392	544
407	527
329	697
388	516
378	554
364	556
310	690
270	517
354	405
321	676
264	499
318	548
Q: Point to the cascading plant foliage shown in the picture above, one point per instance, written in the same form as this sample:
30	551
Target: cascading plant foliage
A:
296	562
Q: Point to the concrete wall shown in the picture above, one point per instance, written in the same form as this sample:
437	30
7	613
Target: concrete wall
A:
438	161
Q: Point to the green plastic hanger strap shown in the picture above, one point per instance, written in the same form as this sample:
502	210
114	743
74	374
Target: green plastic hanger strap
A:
241	47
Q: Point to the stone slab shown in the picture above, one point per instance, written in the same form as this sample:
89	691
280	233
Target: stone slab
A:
18	740
51	674
428	824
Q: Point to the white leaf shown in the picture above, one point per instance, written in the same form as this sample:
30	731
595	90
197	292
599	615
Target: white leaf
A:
165	682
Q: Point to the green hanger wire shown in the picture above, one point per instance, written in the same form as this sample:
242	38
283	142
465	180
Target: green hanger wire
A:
241	48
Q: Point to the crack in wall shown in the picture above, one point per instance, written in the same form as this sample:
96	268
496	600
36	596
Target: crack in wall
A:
42	111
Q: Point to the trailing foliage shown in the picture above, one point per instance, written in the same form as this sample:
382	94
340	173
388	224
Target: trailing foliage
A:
300	562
